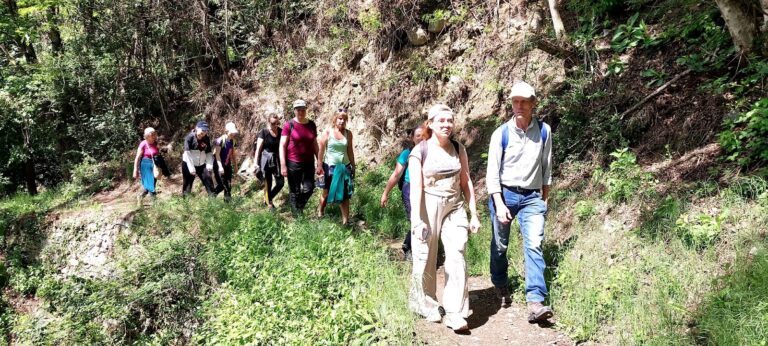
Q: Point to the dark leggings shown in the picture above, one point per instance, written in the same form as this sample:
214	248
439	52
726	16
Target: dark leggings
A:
223	181
406	192
301	183
279	182
201	172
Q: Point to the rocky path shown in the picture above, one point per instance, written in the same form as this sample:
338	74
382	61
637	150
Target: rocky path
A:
490	323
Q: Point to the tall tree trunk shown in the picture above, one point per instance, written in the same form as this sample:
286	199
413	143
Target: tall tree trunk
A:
764	5
54	34
557	22
740	22
30	175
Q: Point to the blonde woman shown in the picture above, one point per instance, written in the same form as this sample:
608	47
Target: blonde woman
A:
440	185
337	166
144	164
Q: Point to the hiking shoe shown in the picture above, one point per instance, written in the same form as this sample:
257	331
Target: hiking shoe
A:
456	322
502	293
538	312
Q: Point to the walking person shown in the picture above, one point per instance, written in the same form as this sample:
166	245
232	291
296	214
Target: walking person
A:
518	179
298	149
224	155
440	185
337	166
401	178
267	158
197	160
144	164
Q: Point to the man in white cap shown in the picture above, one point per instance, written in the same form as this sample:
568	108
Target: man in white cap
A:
518	179
298	151
224	155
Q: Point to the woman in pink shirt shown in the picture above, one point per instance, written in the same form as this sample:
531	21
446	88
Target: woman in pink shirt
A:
144	164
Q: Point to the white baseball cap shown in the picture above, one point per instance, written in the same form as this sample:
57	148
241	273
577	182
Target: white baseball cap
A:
148	131
299	104
230	127
437	110
522	89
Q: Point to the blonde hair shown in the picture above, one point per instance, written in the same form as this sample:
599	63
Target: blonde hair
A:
339	113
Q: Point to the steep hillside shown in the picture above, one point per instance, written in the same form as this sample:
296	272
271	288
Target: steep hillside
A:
656	226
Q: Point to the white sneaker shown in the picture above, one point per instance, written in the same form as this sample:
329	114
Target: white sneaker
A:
434	316
456	322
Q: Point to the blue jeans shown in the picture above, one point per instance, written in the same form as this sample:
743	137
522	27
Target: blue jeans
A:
529	209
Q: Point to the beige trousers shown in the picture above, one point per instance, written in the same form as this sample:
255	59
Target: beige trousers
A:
447	222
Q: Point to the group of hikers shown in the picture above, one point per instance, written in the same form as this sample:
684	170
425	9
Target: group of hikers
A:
433	176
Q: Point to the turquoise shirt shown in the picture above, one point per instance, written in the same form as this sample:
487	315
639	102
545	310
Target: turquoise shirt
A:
403	160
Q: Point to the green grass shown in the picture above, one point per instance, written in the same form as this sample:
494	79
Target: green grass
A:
207	272
641	285
737	314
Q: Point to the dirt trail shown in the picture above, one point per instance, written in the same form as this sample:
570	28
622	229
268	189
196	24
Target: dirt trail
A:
490	323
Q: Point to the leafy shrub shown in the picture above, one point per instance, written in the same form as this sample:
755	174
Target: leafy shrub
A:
700	230
370	20
745	138
631	35
92	176
625	179
584	209
421	71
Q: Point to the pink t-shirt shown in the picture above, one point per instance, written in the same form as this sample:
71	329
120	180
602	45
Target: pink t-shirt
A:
301	142
149	150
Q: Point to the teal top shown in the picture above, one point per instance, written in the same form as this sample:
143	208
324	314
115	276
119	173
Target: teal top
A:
336	151
403	160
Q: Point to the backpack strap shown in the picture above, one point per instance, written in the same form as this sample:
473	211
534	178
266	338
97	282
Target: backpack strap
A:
504	142
544	132
424	148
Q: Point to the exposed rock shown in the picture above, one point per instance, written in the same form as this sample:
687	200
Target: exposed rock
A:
437	25
417	36
458	47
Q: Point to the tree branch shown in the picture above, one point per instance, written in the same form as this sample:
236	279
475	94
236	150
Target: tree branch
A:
655	93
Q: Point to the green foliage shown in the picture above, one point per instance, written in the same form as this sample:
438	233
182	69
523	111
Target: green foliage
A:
616	67
390	222
663	220
421	71
745	138
153	298
701	229
657	78
584	210
737	314
92	176
370	20
709	44
632	34
625	179
302	282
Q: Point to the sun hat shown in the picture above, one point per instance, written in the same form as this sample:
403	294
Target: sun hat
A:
299	104
437	110
522	89
231	128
